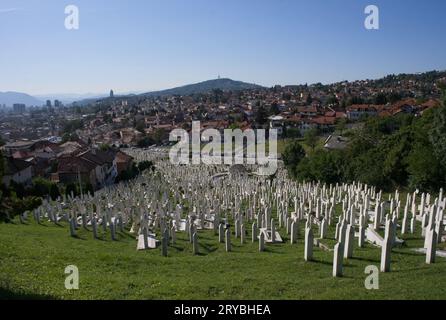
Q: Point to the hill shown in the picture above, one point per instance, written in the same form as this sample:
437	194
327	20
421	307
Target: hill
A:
9	98
206	86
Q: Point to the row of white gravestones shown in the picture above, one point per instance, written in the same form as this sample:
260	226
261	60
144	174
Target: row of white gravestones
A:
308	198
354	191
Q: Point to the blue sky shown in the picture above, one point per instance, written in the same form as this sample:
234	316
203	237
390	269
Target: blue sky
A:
143	45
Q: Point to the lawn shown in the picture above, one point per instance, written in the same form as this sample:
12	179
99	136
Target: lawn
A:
33	259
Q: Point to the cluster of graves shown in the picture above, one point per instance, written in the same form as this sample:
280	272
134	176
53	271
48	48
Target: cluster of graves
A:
158	205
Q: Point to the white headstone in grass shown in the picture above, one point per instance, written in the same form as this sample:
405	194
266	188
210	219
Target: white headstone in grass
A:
377	218
361	239
254	232
273	231
113	231
173	234
308	253
262	242
323	228
422	204
228	246
37	216
195	243
191	231
237	228
330	215
342	232
349	239
72	228
216	222
221	233
94	226
145	238
387	247
260	220
280	216
431	248
394	226
242	234
405	220
84	220
338	228
337	260
294	228
187	228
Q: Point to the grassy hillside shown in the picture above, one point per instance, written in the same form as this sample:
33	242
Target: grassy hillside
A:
34	257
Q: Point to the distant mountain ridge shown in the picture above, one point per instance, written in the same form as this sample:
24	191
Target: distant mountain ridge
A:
224	84
10	98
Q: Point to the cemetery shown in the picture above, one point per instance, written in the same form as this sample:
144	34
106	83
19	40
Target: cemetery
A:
215	232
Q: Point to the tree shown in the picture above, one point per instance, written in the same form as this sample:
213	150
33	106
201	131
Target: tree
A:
341	125
380	99
54	192
140	126
425	173
66	137
292	156
71	190
309	99
311	138
324	166
160	135
437	134
332	100
274	110
261	116
104	147
145	142
291	132
3	208
144	165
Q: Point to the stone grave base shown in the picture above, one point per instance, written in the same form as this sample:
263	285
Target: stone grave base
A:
268	236
440	253
152	241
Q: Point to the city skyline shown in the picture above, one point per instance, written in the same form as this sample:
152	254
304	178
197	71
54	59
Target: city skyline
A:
158	45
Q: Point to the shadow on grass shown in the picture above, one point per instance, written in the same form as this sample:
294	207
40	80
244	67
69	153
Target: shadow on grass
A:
178	248
321	262
8	294
128	235
209	248
408	253
78	238
365	259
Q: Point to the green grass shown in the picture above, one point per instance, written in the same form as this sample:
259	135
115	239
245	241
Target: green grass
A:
33	259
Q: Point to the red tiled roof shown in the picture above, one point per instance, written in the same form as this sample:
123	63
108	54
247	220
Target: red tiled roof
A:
361	107
123	157
430	104
324	120
74	165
